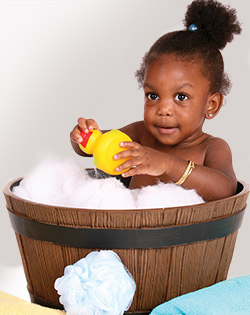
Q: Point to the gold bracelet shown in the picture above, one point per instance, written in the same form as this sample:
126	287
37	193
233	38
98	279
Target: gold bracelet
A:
187	172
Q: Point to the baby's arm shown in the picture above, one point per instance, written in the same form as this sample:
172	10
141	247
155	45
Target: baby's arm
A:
213	180
84	125
218	171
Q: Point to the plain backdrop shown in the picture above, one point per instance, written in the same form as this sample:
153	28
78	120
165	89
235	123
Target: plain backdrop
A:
60	60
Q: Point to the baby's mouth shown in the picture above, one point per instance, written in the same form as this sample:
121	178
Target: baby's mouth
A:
166	130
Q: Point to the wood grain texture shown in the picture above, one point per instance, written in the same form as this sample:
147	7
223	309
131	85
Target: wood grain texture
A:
160	273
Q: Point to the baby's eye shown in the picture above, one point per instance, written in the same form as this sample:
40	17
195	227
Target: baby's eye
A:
152	96
181	97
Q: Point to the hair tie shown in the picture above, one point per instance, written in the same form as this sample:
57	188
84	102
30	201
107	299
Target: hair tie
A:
193	27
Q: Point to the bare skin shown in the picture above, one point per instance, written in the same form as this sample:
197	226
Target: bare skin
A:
177	101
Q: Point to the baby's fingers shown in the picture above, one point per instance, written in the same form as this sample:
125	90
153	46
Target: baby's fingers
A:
131	167
132	150
75	135
86	125
126	167
130	145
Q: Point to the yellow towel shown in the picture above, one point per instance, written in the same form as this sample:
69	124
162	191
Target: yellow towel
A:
11	305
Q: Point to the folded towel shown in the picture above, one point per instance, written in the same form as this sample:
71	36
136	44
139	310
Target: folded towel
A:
230	297
11	305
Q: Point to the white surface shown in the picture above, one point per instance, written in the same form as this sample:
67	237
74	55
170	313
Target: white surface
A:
63	59
13	281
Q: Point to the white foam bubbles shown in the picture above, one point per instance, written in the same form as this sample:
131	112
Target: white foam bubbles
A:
63	182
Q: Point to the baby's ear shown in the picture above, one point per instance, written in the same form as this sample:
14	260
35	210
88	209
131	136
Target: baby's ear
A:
214	105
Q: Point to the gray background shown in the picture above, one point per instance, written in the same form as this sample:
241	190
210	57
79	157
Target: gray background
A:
60	60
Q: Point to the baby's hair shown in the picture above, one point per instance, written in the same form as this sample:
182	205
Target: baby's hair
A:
209	27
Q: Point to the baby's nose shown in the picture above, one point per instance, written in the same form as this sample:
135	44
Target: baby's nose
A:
165	108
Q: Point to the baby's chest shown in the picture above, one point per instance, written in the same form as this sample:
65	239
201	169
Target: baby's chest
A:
197	154
139	181
195	151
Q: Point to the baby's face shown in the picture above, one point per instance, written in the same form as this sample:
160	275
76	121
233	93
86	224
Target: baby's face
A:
176	100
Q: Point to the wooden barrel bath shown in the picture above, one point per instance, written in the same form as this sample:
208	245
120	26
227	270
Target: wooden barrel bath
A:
169	251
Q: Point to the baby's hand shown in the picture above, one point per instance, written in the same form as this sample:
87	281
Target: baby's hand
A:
143	160
84	125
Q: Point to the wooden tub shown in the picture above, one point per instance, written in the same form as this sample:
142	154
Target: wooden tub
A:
169	251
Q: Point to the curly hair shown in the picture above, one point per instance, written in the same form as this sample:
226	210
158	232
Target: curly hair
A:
215	26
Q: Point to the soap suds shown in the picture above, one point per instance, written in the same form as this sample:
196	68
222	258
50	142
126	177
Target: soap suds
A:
64	182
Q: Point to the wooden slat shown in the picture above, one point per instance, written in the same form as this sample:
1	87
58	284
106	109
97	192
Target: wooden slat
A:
160	274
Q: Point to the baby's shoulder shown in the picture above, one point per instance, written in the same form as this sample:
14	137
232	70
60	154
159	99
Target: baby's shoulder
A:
214	142
216	146
135	130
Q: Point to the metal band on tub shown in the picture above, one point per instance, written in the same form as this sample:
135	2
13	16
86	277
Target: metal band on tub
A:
127	238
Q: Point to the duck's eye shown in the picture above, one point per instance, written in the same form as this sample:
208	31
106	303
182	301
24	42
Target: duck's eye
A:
181	97
152	96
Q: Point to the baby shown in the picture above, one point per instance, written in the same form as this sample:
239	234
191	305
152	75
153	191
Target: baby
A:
184	83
